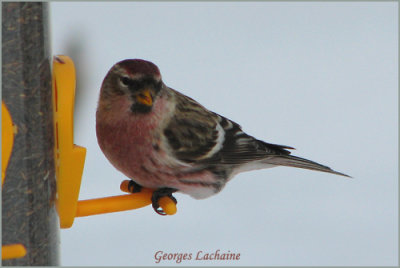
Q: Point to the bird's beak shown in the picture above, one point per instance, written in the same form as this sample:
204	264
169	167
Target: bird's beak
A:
145	97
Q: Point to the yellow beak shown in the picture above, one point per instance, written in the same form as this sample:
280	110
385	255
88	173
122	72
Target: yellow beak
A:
145	98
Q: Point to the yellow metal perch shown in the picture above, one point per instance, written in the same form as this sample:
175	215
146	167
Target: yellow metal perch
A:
122	203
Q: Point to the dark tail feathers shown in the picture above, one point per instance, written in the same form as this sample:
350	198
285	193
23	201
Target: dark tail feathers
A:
294	161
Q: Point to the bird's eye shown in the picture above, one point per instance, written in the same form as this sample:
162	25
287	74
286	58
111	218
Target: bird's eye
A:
125	81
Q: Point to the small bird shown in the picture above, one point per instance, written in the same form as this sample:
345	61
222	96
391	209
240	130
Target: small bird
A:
166	141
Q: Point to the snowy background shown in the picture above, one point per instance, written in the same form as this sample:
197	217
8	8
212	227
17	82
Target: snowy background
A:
321	77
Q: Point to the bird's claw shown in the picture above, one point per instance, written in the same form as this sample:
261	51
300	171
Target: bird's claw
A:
158	194
133	187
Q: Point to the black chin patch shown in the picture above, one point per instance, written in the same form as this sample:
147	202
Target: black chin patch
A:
141	108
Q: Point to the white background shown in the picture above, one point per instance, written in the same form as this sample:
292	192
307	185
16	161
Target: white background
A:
321	77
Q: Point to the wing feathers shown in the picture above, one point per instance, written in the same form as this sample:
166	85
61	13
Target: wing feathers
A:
207	140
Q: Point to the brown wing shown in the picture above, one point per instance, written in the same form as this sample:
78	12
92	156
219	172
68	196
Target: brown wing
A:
192	131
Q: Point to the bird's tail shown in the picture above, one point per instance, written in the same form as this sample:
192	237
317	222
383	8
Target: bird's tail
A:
294	161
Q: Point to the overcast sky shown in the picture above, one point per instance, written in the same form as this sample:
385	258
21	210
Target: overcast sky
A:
321	77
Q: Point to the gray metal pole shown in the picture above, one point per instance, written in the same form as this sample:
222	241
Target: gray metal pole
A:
28	194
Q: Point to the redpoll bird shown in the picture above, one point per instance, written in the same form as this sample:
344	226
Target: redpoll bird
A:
166	141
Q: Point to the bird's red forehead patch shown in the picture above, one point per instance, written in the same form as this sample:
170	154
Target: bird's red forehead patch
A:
137	66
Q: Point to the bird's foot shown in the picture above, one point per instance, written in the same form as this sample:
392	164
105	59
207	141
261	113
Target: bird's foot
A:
158	194
133	187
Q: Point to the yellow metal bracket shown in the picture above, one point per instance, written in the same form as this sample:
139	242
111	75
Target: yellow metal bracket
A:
70	158
12	251
7	141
